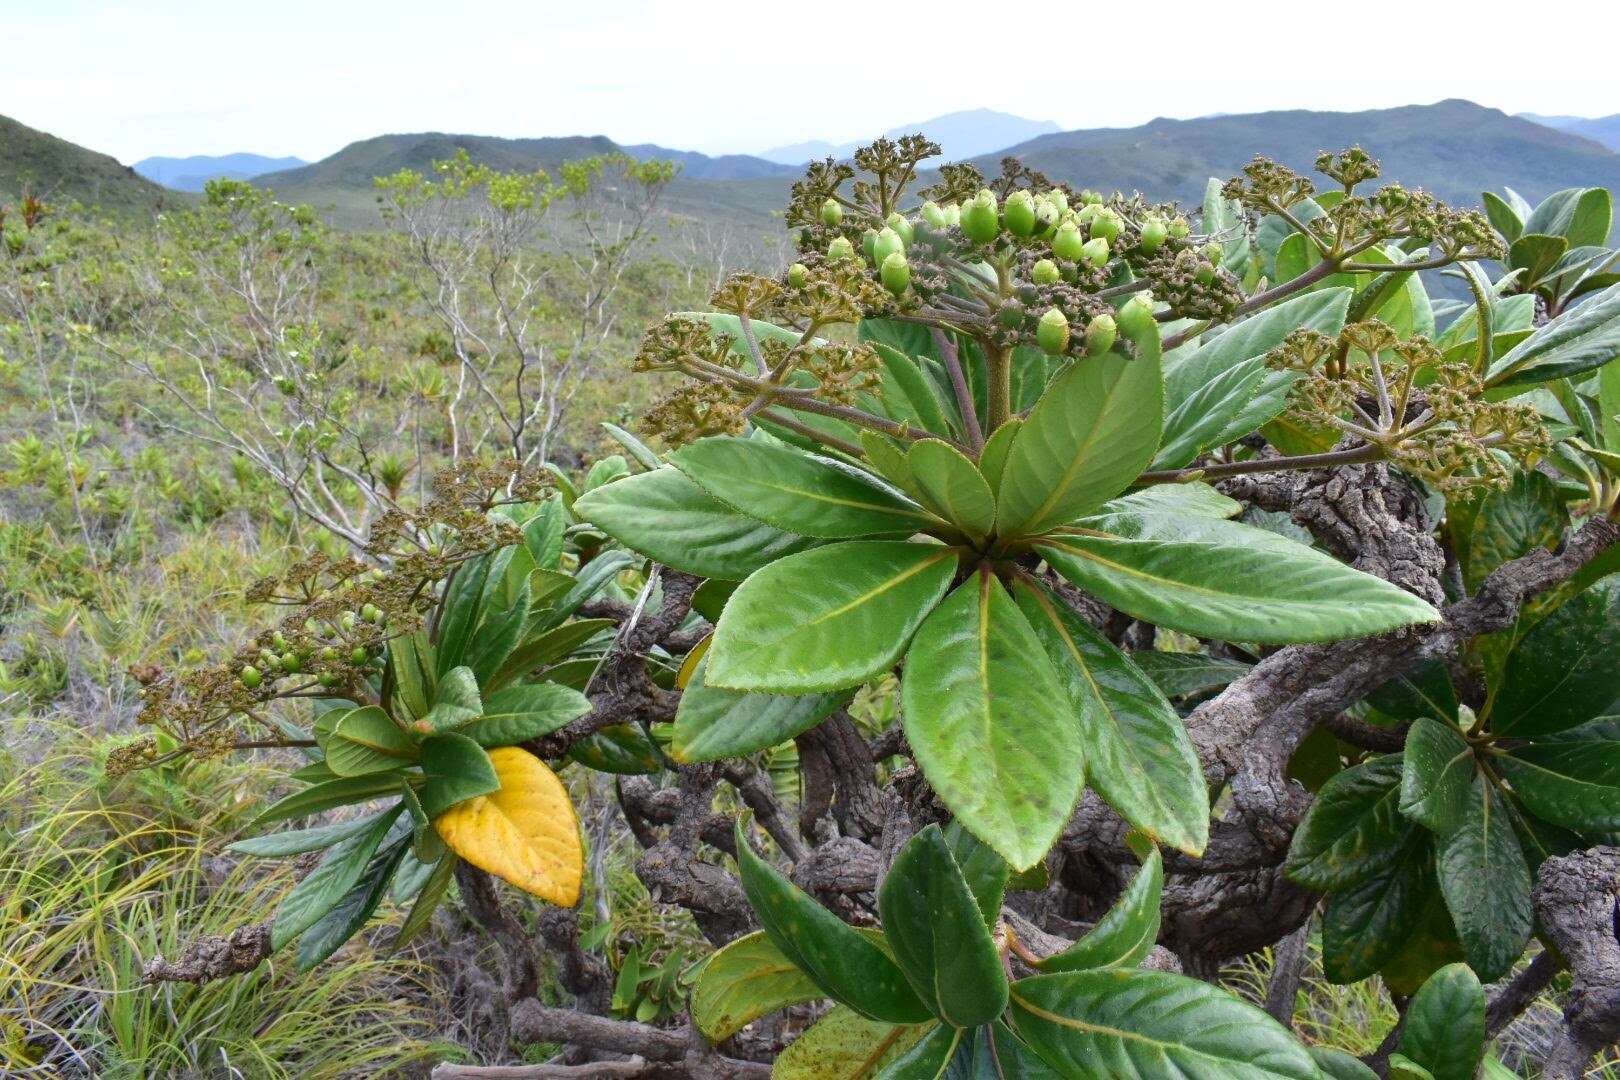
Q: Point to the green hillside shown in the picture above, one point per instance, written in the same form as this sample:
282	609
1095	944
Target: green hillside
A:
61	172
1453	148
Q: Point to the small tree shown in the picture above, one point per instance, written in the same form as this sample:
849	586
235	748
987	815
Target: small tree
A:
995	445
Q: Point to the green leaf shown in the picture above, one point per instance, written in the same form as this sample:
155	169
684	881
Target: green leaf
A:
1126	933
1504	219
499	632
367	741
1445	1024
997	447
984	871
829	618
1437	775
950	486
848	966
1147	1025
427	902
1572	784
457	769
987	723
520	713
456	700
1424	692
1511	523
333	876
328	796
1566	670
711	723
938	935
1535	254
671	520
928	1058
1402	1067
1140	758
1323	310
1194	498
799	492
921	400
1338	1065
1181	674
623	749
744	981
1220	579
1195	422
1582	216
411	664
1582	338
1353	830
1091	434
1487	883
545	648
298	841
845	1046
463	605
543	534
350	913
1366	926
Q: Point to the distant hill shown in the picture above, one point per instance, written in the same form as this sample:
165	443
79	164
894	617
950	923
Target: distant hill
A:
356	164
1601	129
960	135
740	188
191	173
1454	149
58	171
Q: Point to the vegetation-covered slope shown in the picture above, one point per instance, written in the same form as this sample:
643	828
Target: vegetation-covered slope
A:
58	171
1454	149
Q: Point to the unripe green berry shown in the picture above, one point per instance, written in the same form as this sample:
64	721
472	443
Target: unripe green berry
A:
1136	317
359	655
953	214
934	214
1107	225
1019	214
840	248
1052	332
831	213
1179	228
279	640
327	679
1046	218
896	273
887	242
1068	244
899	223
980	222
1095	251
372	614
1091	198
349	619
1154	231
289	663
250	677
1101	333
868	242
798	274
1045	272
329	655
268	660
1213	252
1058	200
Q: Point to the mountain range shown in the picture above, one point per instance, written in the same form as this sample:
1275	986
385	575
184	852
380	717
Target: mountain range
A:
1453	148
191	173
960	135
1600	129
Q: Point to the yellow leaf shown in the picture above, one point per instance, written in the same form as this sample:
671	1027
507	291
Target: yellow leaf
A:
525	833
690	664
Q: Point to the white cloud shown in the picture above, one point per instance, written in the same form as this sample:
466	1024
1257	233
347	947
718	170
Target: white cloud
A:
306	77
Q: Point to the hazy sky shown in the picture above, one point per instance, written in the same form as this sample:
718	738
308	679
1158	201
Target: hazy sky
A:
178	77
